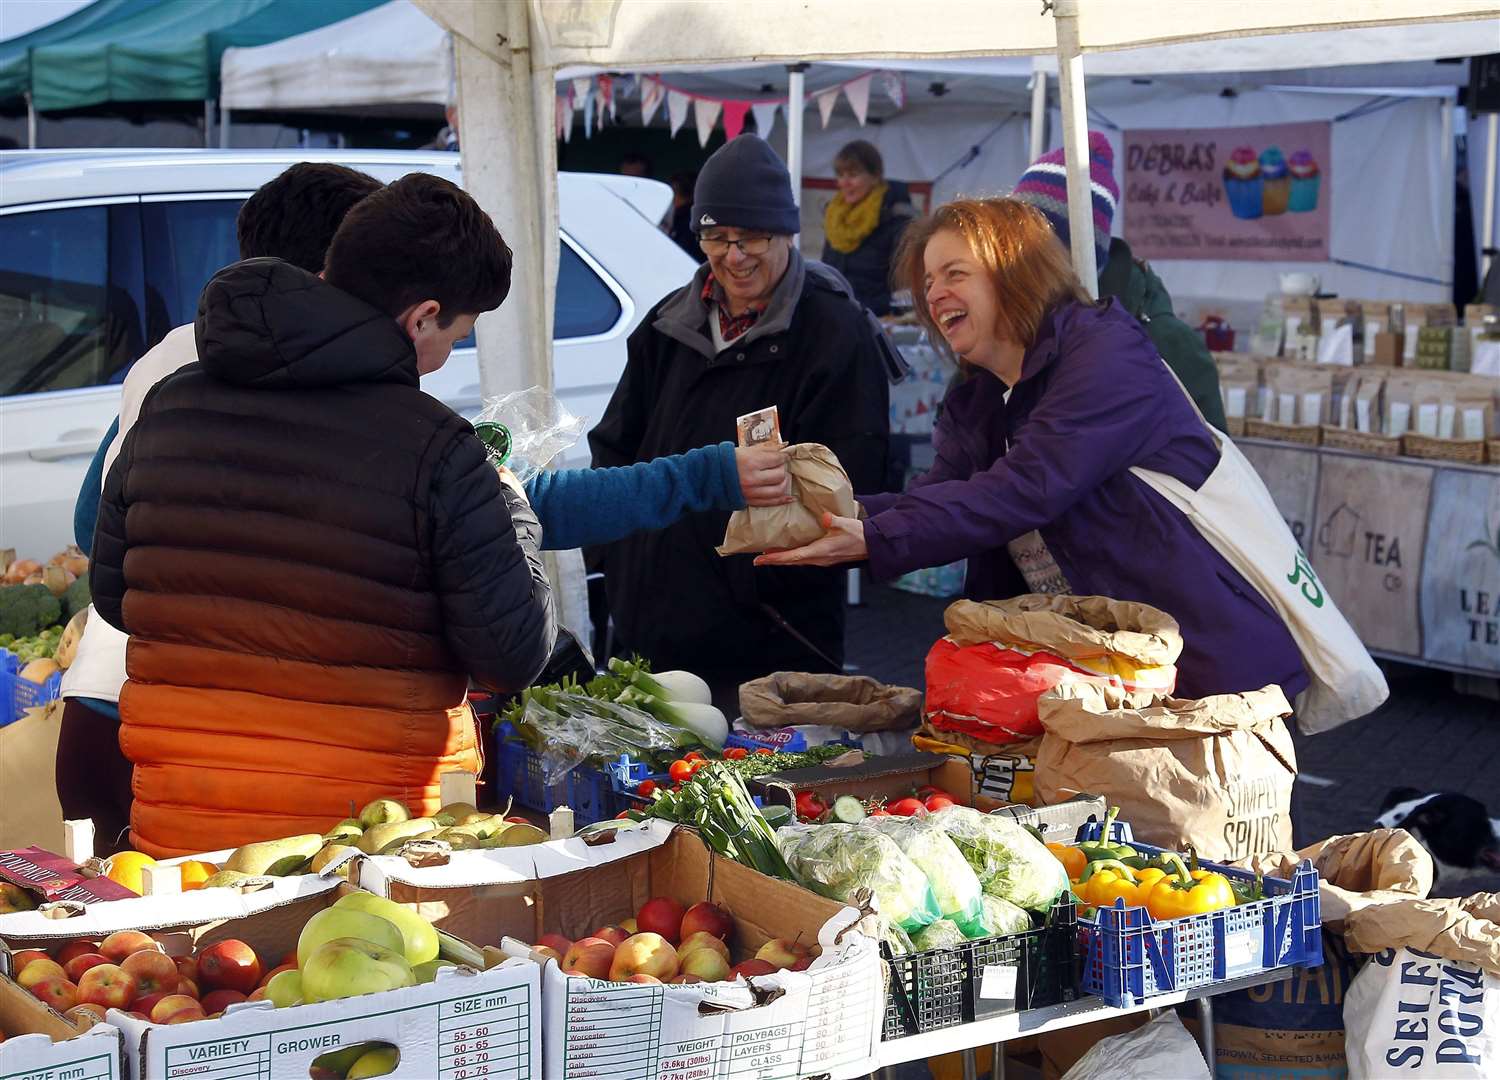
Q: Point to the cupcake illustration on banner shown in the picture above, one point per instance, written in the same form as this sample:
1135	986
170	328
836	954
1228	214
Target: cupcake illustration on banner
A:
1278	184
1305	181
1242	183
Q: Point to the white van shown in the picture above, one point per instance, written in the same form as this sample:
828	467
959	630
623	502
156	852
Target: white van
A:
103	251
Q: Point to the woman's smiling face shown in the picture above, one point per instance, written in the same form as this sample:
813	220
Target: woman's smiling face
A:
961	297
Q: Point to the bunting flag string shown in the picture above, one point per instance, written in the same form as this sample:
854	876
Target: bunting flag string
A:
653	94
765	118
858	93
734	118
706	115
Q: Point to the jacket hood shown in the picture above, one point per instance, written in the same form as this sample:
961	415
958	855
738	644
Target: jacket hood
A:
269	325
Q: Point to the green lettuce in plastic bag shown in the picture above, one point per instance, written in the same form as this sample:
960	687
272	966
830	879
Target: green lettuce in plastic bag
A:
954	884
1009	862
1003	917
938	935
837	860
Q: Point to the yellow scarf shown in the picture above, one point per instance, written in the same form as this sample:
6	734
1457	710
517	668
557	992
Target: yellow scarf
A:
846	225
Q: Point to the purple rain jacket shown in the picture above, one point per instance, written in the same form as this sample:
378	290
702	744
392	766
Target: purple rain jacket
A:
1093	400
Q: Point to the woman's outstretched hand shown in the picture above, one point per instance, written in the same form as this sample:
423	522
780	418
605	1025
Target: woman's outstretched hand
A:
764	479
843	543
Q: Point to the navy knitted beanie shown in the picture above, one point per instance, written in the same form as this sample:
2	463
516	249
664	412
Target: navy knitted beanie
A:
744	185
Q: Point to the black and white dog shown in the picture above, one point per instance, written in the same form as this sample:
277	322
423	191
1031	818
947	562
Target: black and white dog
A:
1456	830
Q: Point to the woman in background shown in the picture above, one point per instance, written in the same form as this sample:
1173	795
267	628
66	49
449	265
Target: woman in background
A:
863	224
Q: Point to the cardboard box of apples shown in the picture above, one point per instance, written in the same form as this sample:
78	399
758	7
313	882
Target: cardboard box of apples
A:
657	952
333	983
37	1043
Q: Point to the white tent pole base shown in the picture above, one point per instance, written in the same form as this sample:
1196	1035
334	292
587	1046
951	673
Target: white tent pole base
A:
1489	191
30	122
1038	113
796	99
223	129
1076	144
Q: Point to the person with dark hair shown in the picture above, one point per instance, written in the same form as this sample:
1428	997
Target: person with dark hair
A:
311	556
293	217
636	164
863	223
680	217
757	326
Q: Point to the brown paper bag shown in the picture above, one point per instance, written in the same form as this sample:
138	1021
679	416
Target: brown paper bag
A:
820	487
1382	866
1073	627
1215	773
28	756
1465	929
852	702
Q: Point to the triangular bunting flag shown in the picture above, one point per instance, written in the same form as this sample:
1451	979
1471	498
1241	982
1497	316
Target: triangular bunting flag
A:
606	97
588	115
765	118
734	117
581	87
858	93
895	88
677	107
565	117
706	115
826	101
653	93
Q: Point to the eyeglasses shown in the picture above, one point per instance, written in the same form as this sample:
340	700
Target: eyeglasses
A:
749	245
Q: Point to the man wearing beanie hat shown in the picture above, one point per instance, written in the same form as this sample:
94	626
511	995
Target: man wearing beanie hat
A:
1121	276
758	325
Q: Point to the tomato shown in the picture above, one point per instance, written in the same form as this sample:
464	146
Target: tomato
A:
645	789
763	750
623	815
680	770
927	789
936	802
907	808
697	763
692	755
735	753
879	811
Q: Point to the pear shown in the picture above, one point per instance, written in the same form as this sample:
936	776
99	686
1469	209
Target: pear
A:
496	839
383	812
372	1063
344	833
455	813
288	855
379	836
458	841
521	835
329	854
336	1063
223	878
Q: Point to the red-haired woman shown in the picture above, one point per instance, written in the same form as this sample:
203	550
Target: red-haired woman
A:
1031	482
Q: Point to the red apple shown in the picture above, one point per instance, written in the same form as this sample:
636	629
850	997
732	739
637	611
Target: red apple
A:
81	963
188	987
258	994
220	1000
145	1003
177	1009
661	915
707	964
38	969
557	943
268	976
57	992
779	952
121	944
750	967
86	1014
187	966
108	985
229	965
645	953
81	947
25	957
289	958
612	934
683	980
640	978
803	964
154	972
590	956
707	918
703	940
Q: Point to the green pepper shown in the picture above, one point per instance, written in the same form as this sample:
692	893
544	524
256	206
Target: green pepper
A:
1102	848
1247	892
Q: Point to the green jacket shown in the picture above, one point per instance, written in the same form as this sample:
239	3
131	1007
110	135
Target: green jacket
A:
1142	294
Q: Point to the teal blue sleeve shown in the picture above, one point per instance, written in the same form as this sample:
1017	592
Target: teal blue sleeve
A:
86	509
580	507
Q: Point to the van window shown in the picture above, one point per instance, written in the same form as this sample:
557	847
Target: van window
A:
585	304
69	297
187	242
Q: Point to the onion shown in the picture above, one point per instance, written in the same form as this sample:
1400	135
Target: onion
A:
20	570
72	560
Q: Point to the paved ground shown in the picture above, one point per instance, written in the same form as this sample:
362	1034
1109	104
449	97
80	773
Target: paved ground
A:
1427	736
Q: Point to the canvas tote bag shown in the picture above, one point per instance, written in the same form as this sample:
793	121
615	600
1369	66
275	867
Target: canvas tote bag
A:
1235	513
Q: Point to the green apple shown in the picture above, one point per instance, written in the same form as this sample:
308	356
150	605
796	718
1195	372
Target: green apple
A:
420	939
284	989
337	922
347	967
427	972
382	812
372	1063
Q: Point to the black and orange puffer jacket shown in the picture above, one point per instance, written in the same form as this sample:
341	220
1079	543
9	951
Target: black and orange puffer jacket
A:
312	558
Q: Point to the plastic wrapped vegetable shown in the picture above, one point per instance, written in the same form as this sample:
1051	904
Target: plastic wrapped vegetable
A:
954	884
1009	862
1003	917
837	860
938	935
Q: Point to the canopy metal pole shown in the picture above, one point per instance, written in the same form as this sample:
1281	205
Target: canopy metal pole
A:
1076	144
30	122
224	129
1488	242
208	122
1038	113
795	102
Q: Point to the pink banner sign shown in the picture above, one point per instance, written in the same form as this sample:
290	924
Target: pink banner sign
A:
1253	193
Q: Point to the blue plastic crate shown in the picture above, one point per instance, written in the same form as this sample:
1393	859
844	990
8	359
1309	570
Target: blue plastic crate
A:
1128	957
18	694
587	791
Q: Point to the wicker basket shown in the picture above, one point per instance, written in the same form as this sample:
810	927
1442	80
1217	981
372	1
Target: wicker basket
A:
1235	427
1425	446
1306	434
1361	442
1492	451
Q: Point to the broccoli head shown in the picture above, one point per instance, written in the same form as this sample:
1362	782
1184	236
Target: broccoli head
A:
27	609
76	598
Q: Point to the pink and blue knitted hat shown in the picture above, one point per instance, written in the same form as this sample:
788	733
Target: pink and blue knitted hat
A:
1045	186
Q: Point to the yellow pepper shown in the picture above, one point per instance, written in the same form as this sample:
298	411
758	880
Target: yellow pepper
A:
1073	860
1186	894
